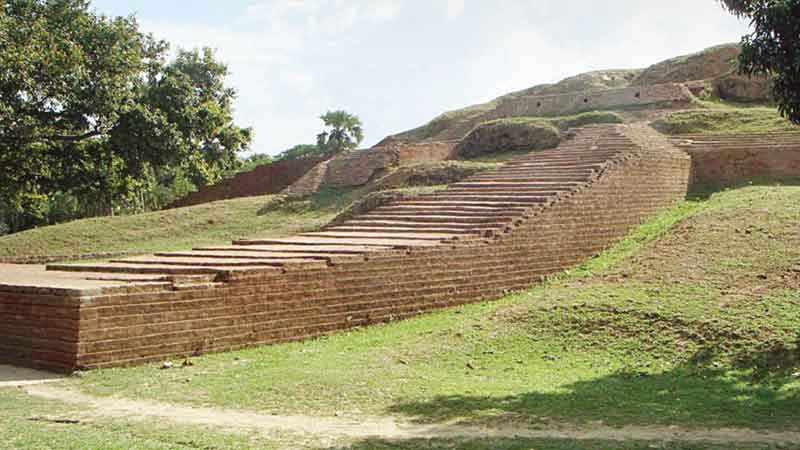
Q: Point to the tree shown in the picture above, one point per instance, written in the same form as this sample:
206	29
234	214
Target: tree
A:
301	151
345	132
773	48
90	107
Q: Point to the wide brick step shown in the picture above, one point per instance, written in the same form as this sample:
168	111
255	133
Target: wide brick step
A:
488	196
148	268
411	210
414	222
432	218
304	250
382	236
544	170
565	154
246	254
470	203
569	159
316	239
540	185
214	261
506	191
441	230
528	177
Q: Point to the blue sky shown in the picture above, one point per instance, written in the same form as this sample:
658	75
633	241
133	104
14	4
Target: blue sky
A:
399	63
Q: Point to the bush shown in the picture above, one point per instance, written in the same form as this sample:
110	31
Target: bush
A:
506	135
587	118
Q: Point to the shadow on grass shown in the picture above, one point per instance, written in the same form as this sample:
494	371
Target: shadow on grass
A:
759	391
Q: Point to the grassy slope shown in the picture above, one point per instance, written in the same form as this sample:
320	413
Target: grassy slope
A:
210	223
721	121
698	328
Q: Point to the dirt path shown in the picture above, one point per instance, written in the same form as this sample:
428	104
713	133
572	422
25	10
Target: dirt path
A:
390	428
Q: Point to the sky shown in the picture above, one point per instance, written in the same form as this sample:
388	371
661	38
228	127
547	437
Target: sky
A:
399	63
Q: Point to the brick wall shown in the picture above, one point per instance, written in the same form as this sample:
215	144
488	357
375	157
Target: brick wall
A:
263	180
280	306
39	330
730	160
561	104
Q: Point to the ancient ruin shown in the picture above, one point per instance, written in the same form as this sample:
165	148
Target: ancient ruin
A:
497	231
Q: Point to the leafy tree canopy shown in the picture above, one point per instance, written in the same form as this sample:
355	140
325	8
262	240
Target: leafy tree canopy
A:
343	133
301	151
773	47
89	105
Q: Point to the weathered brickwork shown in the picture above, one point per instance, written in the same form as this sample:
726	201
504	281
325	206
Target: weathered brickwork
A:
257	307
263	180
359	167
561	104
734	159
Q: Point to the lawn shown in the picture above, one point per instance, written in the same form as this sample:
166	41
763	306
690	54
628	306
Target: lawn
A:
723	119
181	228
692	320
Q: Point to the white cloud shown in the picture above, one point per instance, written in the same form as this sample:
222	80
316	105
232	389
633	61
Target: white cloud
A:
454	8
382	10
300	81
290	60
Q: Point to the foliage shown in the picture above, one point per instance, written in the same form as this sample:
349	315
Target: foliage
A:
344	133
249	163
587	118
773	48
302	151
89	107
508	135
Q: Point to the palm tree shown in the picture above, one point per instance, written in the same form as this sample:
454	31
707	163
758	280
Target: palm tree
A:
345	132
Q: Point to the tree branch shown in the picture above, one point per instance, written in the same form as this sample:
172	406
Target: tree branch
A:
69	138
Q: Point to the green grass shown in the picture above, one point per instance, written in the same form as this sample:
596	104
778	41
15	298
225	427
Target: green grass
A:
19	430
586	118
29	423
692	320
724	120
181	228
539	444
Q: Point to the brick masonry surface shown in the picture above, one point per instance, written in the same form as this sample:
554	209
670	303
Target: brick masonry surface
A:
245	308
573	102
734	159
263	180
359	167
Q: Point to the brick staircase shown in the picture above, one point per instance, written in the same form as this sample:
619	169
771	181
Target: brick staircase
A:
496	231
484	205
309	183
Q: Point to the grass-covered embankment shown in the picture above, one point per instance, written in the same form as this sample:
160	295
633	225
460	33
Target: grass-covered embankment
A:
694	325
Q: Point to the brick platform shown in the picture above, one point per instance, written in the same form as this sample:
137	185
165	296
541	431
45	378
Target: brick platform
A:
497	231
734	159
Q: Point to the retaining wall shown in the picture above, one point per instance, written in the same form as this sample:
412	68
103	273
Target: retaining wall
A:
734	159
128	327
263	180
574	102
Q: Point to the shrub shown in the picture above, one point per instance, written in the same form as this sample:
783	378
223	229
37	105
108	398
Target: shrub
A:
505	135
587	118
